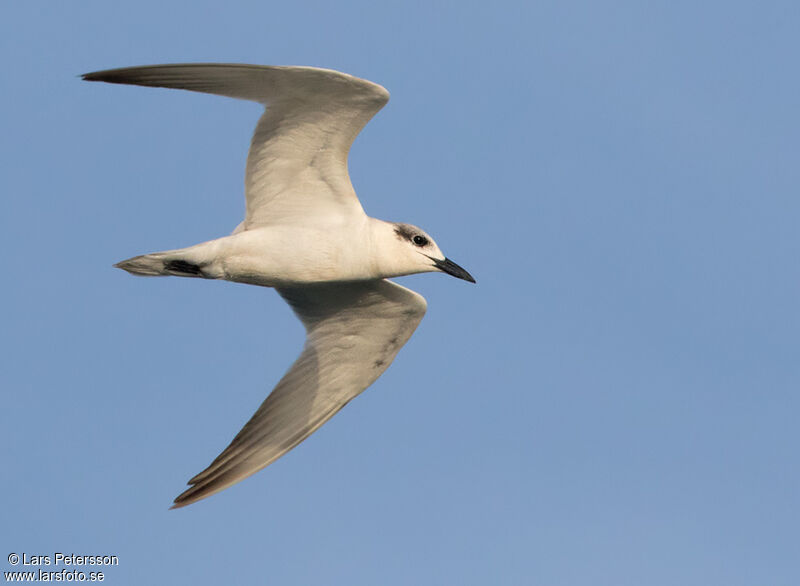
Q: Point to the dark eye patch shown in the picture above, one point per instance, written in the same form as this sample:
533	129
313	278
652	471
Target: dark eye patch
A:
403	232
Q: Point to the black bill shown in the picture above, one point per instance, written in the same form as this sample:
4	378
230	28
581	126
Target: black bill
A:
451	268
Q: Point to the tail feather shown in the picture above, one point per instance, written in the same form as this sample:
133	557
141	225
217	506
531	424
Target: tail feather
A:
160	264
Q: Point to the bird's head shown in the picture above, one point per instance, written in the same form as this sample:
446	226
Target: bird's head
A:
409	250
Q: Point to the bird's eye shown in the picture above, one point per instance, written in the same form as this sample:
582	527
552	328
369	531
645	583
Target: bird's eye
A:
420	240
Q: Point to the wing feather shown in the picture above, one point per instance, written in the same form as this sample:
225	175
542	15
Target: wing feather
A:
353	333
297	164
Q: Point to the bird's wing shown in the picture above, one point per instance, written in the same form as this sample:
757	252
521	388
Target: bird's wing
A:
354	331
297	165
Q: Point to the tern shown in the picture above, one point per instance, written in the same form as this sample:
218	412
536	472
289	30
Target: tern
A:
306	235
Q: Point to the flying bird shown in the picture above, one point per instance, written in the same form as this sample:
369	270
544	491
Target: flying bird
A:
306	235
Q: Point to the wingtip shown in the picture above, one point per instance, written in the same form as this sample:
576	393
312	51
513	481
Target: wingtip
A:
107	75
191	495
183	499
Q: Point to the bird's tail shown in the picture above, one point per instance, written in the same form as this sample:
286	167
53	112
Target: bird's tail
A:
185	262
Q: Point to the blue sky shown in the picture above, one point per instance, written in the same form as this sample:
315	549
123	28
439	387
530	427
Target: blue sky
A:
614	403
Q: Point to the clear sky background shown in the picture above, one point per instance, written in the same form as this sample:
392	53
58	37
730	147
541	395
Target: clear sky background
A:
614	403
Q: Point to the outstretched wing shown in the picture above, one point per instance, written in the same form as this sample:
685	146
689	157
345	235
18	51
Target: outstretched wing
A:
297	165
354	331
